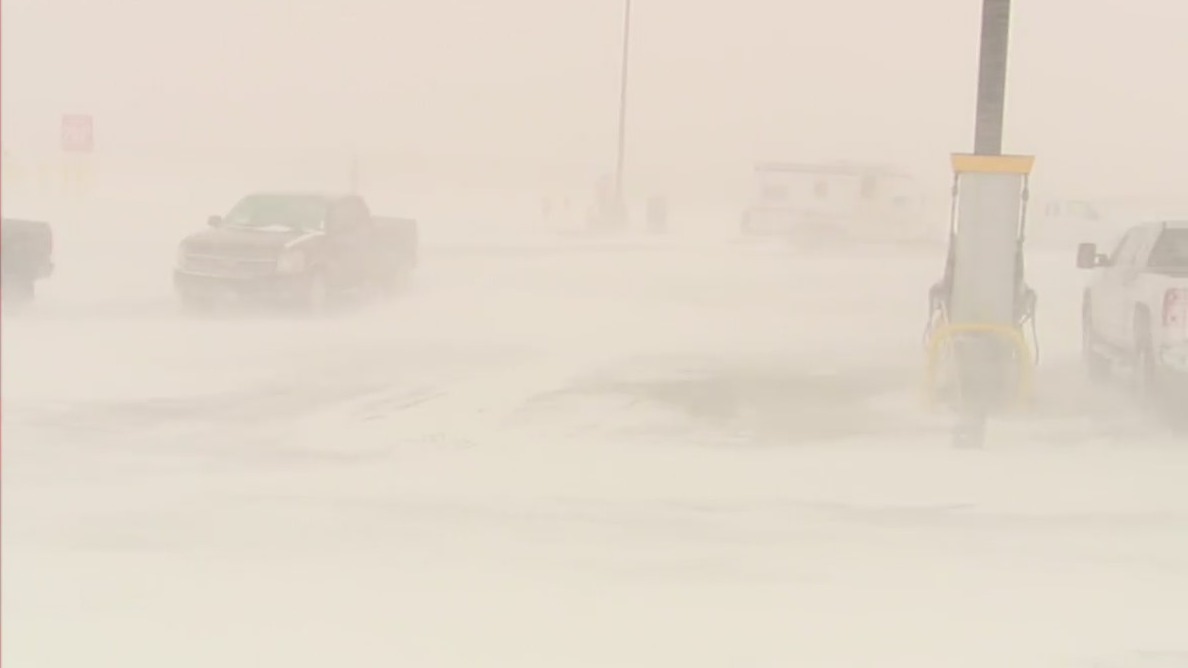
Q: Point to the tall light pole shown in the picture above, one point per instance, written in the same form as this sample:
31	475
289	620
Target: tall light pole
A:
623	101
353	172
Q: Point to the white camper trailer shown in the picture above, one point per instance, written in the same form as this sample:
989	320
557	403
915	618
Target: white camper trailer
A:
835	201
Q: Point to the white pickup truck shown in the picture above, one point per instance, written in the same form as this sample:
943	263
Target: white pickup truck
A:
1135	309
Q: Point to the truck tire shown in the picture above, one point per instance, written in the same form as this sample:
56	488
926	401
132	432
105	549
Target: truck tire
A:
393	284
315	300
1097	366
1152	389
18	291
1146	373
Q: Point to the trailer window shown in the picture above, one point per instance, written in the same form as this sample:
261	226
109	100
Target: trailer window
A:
774	194
869	187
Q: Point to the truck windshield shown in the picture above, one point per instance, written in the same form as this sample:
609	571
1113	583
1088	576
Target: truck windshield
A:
295	212
1171	250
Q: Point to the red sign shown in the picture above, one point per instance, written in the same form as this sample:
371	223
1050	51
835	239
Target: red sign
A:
78	133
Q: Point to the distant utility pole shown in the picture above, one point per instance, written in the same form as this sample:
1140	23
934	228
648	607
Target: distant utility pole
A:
992	73
623	100
353	173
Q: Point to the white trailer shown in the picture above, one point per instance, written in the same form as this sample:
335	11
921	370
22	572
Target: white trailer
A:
835	201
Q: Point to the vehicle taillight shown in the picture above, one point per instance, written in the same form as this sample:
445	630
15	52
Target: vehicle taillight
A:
1175	311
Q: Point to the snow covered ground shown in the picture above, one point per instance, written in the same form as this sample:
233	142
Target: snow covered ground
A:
678	453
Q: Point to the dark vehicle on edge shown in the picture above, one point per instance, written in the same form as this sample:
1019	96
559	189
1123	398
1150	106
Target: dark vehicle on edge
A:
26	256
302	250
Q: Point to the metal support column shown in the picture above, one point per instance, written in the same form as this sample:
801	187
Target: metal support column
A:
992	73
353	173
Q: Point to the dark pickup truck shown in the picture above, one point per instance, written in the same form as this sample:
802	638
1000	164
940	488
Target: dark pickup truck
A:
26	256
302	250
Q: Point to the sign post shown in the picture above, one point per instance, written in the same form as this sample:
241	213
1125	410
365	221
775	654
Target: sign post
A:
78	143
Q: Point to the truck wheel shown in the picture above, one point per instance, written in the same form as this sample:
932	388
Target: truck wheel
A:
392	285
1145	381
18	290
1098	366
316	298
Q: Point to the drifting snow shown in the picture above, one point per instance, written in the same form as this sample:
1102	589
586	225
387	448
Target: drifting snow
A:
566	453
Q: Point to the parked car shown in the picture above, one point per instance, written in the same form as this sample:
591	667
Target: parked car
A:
1135	309
305	250
26	256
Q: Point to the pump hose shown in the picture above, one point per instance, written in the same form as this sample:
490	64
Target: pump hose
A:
1029	314
1028	318
1035	341
935	306
1035	332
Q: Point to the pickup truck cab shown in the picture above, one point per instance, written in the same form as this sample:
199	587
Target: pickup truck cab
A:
26	256
1135	309
296	249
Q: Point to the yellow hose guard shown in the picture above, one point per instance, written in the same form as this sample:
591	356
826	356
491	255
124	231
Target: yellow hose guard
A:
945	333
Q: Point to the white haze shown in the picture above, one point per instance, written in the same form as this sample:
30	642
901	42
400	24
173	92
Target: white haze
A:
522	87
634	451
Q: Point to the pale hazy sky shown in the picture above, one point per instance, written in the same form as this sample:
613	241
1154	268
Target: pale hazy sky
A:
1095	86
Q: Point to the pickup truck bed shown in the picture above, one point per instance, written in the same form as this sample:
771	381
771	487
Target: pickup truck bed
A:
402	236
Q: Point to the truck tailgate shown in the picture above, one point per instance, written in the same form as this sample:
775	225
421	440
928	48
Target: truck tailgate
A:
1175	328
399	235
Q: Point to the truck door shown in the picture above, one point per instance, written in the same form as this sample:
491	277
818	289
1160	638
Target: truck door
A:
1130	294
348	241
1110	299
370	250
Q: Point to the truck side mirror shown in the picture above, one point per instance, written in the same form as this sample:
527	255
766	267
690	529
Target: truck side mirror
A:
1088	257
214	221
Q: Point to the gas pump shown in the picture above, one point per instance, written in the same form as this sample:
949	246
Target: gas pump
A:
979	360
980	307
